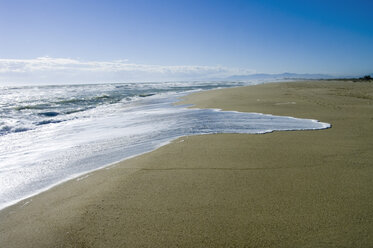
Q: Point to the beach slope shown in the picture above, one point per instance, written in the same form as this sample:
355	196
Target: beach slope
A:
283	189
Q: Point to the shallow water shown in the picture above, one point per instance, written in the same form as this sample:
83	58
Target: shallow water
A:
54	133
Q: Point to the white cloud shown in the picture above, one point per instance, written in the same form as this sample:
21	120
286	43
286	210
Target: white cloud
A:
65	70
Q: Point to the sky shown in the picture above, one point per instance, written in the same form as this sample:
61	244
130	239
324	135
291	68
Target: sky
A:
69	41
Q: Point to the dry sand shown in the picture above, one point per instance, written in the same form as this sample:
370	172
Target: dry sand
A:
284	189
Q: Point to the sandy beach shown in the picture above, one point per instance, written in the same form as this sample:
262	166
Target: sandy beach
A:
282	189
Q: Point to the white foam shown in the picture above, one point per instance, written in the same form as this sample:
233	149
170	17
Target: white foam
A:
36	160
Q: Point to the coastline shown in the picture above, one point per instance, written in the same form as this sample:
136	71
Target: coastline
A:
209	121
208	190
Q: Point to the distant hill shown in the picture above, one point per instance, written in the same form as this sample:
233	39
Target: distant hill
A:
277	76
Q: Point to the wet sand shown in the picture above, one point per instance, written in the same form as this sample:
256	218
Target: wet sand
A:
283	189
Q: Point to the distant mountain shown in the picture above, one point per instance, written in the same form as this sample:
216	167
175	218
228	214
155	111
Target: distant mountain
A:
277	76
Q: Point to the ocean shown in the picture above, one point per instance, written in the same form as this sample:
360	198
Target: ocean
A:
50	134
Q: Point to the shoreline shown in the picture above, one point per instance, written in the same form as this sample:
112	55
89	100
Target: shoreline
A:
224	189
179	102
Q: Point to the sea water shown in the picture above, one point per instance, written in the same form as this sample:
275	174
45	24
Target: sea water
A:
49	134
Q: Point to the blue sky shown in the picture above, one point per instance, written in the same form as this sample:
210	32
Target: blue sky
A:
172	40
